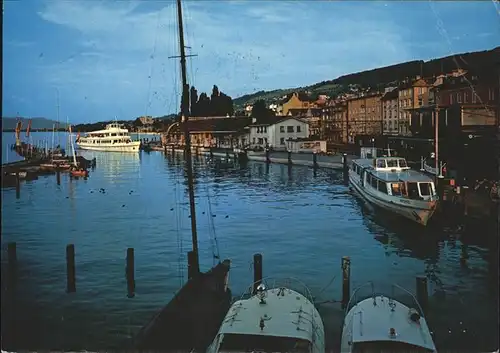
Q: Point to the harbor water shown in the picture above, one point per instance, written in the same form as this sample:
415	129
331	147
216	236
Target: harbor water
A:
302	221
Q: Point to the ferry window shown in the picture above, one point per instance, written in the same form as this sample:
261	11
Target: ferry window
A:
413	191
382	186
425	189
368	178
380	163
396	189
403	189
402	163
374	183
392	163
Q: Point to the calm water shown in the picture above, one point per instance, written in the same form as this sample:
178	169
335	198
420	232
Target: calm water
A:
302	224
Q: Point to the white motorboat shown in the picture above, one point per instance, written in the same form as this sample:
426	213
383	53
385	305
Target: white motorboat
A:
382	324
274	319
389	183
114	138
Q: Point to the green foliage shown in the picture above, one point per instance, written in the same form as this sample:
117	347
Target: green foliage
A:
260	111
218	104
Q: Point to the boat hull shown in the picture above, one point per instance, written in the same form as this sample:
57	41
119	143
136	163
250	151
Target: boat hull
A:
420	215
133	147
369	323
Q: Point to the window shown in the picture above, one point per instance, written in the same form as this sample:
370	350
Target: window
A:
402	163
459	98
451	98
382	186
265	128
298	128
396	189
491	94
282	141
282	129
374	183
474	97
465	97
392	163
380	163
289	129
261	141
425	189
413	191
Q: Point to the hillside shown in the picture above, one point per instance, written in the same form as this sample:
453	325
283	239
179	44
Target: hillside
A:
381	77
36	123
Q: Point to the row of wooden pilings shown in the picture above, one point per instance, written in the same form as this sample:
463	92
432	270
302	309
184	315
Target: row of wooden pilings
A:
421	281
71	268
18	182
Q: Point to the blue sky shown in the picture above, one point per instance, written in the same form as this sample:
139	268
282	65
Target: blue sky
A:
110	58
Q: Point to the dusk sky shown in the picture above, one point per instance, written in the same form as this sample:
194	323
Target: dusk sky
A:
110	59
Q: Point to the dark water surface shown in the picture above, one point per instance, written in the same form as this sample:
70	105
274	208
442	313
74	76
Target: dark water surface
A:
302	224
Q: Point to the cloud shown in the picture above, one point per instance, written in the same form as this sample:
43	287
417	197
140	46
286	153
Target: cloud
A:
122	48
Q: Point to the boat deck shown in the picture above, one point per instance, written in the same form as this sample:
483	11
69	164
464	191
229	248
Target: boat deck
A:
192	318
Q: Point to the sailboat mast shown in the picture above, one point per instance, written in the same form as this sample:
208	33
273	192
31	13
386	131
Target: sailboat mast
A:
187	138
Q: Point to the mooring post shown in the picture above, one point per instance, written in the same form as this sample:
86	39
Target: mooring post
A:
289	157
344	163
12	255
268	158
130	271
257	271
422	295
58	176
346	280
227	155
211	153
18	185
192	265
70	268
315	160
173	148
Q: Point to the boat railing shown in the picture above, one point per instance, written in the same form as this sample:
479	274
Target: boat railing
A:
356	297
287	282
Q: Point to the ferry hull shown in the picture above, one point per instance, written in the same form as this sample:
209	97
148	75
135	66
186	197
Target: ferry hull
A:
415	214
117	147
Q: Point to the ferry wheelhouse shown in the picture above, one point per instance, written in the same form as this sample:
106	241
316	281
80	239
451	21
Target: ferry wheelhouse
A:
114	138
389	183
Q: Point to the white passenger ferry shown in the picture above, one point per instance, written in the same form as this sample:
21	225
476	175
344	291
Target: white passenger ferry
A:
389	183
114	138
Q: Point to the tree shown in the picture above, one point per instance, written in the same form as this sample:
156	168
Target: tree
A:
137	123
193	96
261	112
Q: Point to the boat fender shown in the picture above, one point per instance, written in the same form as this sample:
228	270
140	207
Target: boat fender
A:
414	315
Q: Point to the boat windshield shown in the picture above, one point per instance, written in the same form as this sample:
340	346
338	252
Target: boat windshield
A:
387	346
258	343
402	163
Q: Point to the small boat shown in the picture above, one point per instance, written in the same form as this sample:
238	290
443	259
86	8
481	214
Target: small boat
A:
114	138
79	173
277	319
382	324
389	183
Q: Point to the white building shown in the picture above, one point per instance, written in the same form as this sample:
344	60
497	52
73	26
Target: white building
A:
276	134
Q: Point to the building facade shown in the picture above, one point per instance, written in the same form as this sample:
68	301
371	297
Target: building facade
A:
364	116
390	112
275	134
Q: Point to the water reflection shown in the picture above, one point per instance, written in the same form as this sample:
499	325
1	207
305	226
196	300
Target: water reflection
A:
115	164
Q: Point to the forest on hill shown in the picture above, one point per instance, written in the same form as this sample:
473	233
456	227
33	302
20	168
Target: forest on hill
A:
481	61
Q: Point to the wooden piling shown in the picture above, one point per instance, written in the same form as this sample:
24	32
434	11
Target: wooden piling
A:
58	176
346	280
257	271
268	158
315	160
130	271
211	153
422	293
289	157
18	185
12	255
70	268
192	265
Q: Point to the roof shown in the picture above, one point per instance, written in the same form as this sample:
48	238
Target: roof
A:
276	120
372	322
390	95
286	313
218	124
